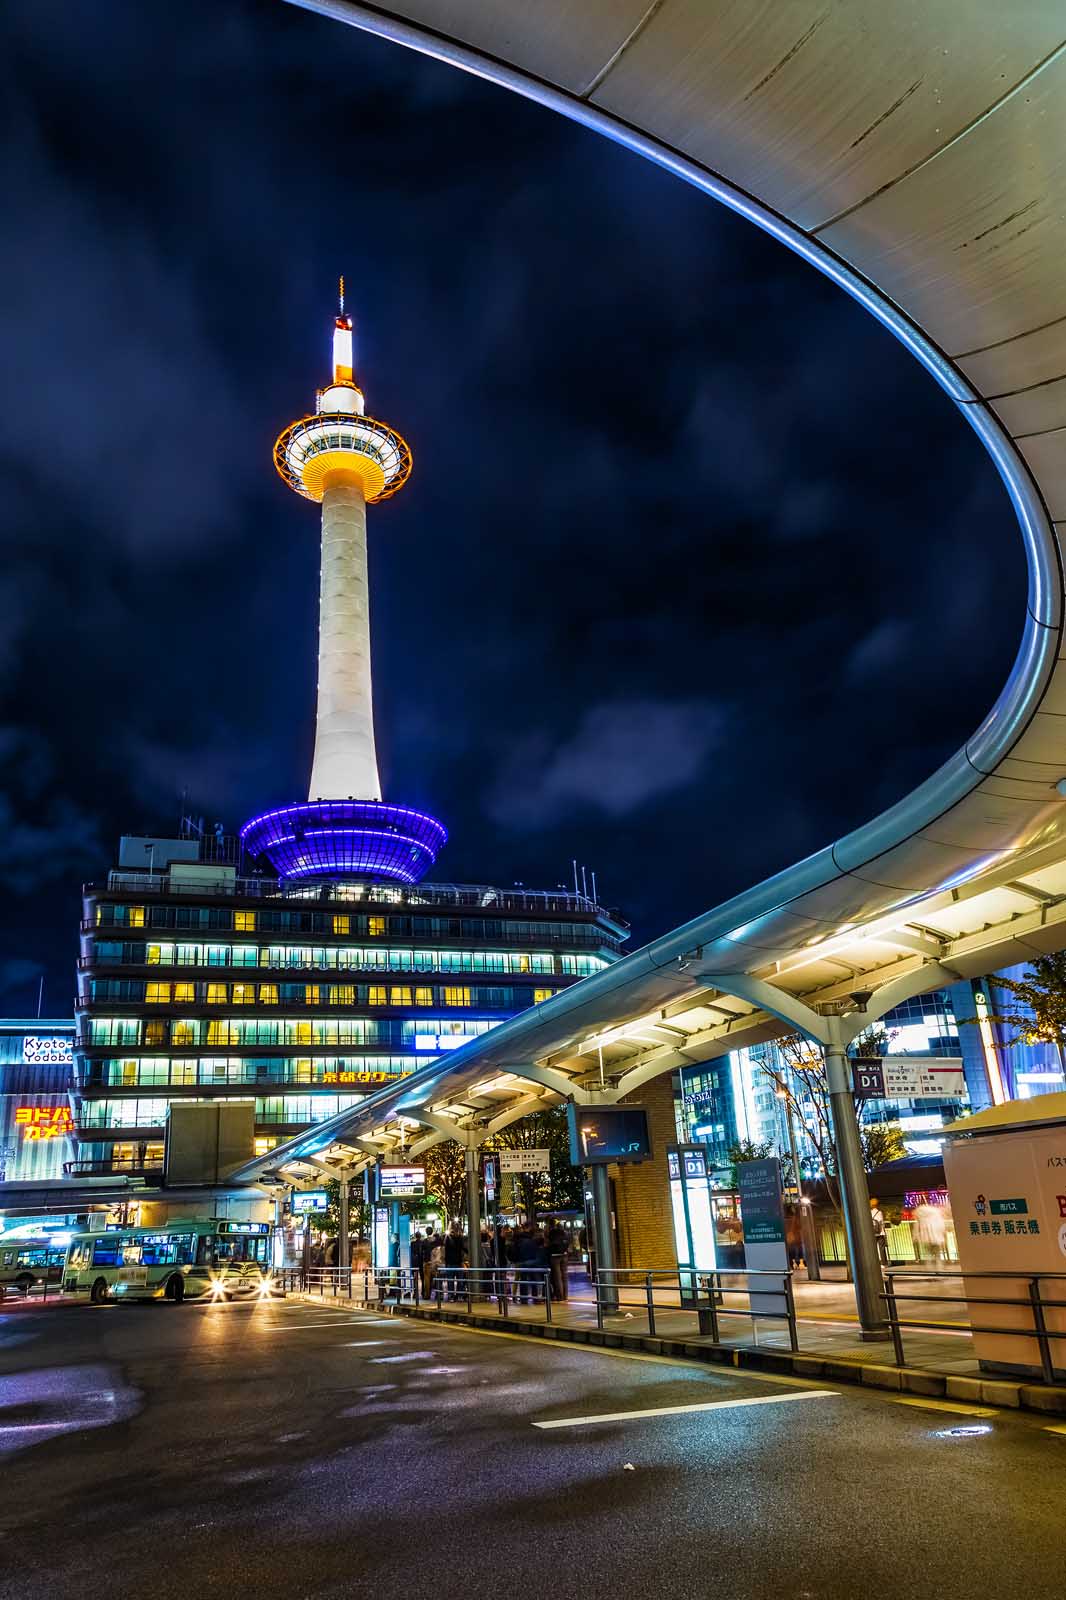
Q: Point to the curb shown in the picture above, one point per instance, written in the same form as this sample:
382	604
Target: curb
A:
837	1369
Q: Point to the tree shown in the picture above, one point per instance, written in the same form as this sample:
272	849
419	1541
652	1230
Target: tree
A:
329	1221
445	1165
1039	1014
746	1150
881	1142
560	1189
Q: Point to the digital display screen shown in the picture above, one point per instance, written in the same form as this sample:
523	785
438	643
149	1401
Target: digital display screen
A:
307	1201
401	1183
608	1133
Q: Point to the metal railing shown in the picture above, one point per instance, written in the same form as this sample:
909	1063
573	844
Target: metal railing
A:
505	1284
365	1285
105	1166
1033	1302
698	1291
468	896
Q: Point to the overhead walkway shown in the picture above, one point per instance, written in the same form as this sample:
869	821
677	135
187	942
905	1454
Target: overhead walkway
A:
915	155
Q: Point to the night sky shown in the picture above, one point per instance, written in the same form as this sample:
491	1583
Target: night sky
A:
696	568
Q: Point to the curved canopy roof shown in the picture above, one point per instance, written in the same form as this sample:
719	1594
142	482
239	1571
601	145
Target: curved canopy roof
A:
915	153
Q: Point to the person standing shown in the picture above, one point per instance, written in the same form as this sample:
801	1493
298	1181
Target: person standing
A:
417	1257
877	1217
558	1247
455	1258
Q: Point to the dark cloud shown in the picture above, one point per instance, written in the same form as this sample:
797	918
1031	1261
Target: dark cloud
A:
621	755
661	468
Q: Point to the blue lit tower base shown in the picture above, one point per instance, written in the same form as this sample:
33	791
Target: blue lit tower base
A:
345	839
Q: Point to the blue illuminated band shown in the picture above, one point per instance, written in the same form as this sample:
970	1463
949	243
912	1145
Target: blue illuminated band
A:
346	838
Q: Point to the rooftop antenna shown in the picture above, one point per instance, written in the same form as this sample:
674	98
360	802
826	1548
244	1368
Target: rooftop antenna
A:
573	863
595	896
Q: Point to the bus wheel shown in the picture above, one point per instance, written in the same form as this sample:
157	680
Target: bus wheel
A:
98	1292
24	1284
175	1290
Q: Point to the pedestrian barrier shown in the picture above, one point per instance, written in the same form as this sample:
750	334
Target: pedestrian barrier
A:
505	1285
380	1286
1032	1302
769	1296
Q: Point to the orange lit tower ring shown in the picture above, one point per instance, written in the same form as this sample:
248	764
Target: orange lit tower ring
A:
338	447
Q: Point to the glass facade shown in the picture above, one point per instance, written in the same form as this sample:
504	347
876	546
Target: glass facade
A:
194	983
36	1078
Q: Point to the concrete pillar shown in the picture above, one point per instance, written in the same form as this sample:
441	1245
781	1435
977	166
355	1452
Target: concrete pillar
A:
642	1192
855	1197
345	761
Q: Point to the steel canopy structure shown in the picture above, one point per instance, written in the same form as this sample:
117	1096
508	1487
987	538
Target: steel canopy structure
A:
914	154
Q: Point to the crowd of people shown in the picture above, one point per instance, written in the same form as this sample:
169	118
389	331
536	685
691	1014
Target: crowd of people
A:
521	1260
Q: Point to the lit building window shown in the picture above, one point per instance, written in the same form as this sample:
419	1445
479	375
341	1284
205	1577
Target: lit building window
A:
268	994
129	1072
151	955
423	997
217	994
542	994
375	995
244	921
400	995
154	1032
183	1033
184	994
222	1033
157	994
311	994
375	926
342	923
243	994
303	1033
343	994
136	916
264	1144
456	997
523	963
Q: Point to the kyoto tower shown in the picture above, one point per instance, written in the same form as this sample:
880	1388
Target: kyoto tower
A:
345	461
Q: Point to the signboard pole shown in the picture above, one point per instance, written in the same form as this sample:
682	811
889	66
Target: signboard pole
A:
855	1195
473	1208
344	1251
606	1288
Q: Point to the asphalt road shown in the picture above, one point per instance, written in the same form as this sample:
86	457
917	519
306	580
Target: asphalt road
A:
290	1452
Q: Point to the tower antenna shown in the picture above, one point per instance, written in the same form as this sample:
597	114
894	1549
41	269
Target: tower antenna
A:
341	294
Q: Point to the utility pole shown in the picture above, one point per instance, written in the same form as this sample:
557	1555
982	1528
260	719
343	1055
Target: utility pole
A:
854	1190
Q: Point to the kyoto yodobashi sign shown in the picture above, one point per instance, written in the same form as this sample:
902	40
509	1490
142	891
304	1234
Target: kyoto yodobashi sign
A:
762	1217
525	1161
401	1183
908	1077
51	1050
1008	1204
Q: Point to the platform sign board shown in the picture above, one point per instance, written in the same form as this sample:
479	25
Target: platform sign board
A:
908	1077
868	1077
309	1202
693	1219
762	1216
602	1134
525	1161
401	1183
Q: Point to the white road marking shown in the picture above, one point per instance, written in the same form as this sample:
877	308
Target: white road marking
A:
302	1327
676	1411
411	1355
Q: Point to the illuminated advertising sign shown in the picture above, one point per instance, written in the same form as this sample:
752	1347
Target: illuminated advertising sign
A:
306	1202
401	1183
44	1122
51	1051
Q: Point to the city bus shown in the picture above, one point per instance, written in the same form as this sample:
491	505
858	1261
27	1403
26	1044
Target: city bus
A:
185	1259
26	1262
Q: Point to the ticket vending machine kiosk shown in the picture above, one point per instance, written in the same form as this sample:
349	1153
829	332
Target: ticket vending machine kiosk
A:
690	1206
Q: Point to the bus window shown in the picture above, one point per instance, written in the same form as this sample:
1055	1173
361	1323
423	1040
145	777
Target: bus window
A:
107	1252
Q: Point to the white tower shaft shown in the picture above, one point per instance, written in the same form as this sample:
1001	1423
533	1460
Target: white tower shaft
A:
345	757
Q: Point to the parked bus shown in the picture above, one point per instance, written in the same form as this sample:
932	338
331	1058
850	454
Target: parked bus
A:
28	1262
186	1258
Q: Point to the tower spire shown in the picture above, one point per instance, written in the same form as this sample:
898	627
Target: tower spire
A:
340	295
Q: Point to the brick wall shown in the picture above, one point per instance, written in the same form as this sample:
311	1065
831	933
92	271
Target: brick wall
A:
641	1193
